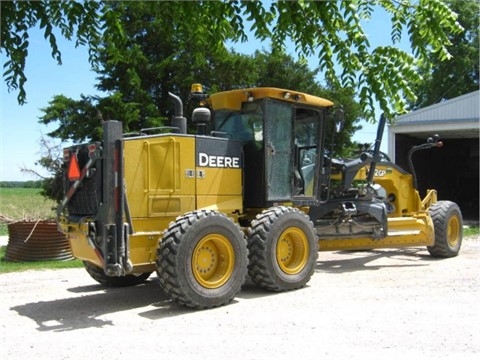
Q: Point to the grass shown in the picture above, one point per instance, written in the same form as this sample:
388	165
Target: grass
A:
471	231
23	204
16	266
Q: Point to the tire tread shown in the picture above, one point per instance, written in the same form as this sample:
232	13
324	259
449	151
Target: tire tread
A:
258	268
441	212
168	262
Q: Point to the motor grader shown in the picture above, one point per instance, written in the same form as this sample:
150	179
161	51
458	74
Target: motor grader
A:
254	190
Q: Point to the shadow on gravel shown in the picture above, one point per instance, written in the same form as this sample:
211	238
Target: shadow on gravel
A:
92	302
86	311
351	261
95	301
249	291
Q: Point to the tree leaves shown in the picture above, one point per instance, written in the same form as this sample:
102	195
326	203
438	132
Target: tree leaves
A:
333	31
330	30
18	17
459	75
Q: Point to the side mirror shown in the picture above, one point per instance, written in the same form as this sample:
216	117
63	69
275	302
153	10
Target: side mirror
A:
339	119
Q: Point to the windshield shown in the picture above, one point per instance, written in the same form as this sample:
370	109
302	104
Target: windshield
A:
245	125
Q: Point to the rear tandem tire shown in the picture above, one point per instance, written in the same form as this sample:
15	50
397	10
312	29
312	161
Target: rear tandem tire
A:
98	275
202	259
283	249
448	226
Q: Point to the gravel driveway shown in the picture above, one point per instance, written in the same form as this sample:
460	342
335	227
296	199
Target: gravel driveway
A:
381	304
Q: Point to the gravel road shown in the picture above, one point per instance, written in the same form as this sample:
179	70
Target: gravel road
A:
381	304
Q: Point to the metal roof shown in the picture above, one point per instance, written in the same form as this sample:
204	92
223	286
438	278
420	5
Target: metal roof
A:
455	118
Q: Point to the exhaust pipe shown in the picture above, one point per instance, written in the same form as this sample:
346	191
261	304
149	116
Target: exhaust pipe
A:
178	121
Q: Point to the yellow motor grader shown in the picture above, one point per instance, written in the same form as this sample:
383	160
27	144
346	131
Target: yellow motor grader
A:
254	191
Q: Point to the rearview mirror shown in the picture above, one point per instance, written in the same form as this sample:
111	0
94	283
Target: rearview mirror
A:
339	119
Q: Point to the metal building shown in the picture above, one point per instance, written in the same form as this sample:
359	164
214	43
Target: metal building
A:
452	169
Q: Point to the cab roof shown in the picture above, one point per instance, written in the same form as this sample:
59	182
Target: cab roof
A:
233	99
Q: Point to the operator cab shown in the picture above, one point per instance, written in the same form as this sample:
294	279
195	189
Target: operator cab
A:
282	133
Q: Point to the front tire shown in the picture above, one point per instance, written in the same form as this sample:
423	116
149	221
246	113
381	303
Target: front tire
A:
448	227
98	275
202	260
283	249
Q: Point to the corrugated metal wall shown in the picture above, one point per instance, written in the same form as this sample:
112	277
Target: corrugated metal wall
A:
465	107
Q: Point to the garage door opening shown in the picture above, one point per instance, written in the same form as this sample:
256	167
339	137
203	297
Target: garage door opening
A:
453	170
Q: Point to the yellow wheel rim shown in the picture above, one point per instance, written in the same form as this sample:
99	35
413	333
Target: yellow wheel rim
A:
213	261
453	231
292	251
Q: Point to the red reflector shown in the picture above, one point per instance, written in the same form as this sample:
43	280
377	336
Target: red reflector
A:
73	169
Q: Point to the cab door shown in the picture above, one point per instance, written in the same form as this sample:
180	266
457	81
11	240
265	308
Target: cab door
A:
278	151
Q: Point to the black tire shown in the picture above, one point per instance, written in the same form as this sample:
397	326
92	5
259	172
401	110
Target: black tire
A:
202	260
283	249
448	227
98	275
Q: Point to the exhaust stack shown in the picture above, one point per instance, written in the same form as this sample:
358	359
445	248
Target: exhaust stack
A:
178	121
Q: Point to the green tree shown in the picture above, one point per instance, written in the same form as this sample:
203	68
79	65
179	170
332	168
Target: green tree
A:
331	29
218	73
155	60
459	75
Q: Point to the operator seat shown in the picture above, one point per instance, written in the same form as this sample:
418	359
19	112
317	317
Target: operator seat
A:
350	169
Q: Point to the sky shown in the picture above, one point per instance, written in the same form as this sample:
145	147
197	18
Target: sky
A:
20	131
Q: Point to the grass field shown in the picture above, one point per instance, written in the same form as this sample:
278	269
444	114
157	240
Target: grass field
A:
23	204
